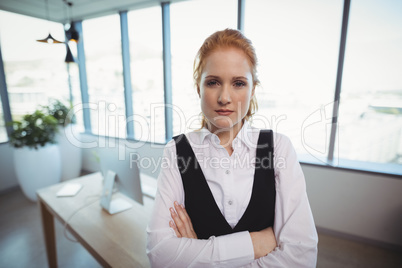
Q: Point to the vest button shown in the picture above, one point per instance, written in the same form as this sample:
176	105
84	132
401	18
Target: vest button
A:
227	171
230	202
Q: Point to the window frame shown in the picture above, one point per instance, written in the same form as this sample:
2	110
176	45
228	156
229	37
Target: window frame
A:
7	117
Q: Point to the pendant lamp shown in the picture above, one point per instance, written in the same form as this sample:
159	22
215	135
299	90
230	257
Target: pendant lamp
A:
69	56
49	39
71	34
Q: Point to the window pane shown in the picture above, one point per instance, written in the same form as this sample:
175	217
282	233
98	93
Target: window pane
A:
191	23
370	120
145	33
297	45
102	41
35	72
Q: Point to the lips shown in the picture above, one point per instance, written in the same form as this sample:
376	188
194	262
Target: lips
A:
224	112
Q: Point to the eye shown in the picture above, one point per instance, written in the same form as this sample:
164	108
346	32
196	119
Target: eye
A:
239	84
212	83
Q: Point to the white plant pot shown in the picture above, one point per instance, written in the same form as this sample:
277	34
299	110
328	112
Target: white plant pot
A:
36	169
70	152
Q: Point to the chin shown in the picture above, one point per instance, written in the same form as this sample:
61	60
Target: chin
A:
223	125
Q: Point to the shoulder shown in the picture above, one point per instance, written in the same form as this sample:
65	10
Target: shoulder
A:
169	151
170	144
284	153
193	137
282	143
281	140
283	147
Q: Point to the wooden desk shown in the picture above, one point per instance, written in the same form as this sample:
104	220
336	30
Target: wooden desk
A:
114	240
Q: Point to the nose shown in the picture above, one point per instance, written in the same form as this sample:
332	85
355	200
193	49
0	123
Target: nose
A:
224	96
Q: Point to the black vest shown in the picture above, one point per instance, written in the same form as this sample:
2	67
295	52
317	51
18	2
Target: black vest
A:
200	204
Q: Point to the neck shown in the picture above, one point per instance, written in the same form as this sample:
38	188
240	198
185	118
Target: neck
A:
226	136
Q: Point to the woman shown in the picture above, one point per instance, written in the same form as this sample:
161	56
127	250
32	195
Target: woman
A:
230	195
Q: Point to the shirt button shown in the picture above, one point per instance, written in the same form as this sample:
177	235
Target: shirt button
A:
227	171
230	202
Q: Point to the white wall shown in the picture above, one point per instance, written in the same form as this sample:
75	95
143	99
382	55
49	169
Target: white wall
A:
354	203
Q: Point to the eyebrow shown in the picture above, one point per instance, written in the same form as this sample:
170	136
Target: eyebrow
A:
234	78
211	76
240	77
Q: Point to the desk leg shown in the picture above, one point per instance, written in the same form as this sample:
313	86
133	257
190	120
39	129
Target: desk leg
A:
50	238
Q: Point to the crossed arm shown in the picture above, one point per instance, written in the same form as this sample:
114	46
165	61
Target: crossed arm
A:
263	241
293	229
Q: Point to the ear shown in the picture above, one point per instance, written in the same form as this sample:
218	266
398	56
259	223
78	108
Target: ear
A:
253	91
198	91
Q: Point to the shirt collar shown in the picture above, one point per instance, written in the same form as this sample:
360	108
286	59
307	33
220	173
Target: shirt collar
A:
243	136
204	132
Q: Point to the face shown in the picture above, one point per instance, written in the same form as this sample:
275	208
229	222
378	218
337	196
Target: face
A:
226	88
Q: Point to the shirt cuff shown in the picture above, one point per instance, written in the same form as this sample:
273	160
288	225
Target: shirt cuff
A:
236	246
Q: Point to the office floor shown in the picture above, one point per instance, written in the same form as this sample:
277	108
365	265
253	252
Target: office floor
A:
22	245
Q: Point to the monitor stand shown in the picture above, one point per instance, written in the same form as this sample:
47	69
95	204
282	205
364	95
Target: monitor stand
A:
115	205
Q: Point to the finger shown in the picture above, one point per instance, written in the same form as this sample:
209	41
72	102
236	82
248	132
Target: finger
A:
190	233
178	222
182	212
183	217
188	218
173	226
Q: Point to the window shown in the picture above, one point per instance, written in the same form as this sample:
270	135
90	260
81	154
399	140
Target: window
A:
297	44
145	33
192	22
370	113
35	72
102	44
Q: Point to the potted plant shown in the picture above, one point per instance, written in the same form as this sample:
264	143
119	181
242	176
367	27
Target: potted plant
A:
36	156
70	149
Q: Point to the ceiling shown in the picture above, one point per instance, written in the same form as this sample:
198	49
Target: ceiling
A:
81	9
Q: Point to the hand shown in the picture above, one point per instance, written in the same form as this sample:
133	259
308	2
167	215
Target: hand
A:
181	222
264	242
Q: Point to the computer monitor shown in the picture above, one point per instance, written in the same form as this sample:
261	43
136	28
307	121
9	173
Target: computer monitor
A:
120	171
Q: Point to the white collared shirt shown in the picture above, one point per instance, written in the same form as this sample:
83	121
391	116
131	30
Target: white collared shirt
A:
230	179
